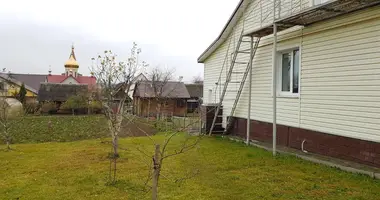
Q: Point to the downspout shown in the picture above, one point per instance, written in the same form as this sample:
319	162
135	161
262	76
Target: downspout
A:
249	92
274	80
274	89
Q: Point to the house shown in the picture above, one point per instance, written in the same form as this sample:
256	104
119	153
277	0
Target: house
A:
196	94
10	85
157	98
313	83
120	91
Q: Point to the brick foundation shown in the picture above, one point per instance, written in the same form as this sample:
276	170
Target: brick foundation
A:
360	151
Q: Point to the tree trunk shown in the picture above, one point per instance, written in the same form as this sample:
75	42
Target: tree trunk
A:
156	172
8	145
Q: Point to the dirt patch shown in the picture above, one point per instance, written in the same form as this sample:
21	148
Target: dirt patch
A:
137	128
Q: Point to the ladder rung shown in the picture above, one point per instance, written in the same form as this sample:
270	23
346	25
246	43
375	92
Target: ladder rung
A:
238	72
232	90
245	41
234	81
244	52
243	63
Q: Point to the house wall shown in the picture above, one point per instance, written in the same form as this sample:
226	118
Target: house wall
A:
340	79
11	89
70	80
149	106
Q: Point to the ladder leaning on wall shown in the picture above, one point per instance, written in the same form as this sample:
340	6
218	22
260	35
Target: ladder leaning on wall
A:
254	42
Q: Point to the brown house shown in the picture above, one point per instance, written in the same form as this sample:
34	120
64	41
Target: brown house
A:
151	99
196	94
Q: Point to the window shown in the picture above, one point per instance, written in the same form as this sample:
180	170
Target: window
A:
180	103
289	72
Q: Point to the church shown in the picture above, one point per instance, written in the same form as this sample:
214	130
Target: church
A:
71	74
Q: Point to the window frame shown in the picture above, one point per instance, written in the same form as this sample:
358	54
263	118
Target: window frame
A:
290	93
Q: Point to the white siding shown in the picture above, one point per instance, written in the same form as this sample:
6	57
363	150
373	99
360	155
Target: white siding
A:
340	76
340	80
70	80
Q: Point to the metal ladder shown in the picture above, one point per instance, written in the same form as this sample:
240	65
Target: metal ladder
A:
254	46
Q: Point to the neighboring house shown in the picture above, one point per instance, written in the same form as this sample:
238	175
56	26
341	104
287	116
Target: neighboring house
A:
60	92
327	84
196	94
121	91
10	86
170	101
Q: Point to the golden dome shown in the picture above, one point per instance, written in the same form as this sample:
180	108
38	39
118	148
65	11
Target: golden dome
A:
72	61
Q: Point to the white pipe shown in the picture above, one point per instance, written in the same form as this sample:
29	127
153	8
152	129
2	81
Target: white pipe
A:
274	89
302	146
249	92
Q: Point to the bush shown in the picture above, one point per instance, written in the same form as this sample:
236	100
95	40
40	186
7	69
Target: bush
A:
95	107
76	104
49	107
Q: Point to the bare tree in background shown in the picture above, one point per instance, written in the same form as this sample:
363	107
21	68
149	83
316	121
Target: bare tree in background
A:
113	75
159	78
197	80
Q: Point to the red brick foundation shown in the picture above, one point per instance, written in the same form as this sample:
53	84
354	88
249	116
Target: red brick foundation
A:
360	151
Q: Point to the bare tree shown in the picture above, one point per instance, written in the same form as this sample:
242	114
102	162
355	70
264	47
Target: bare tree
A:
112	76
197	79
161	89
159	78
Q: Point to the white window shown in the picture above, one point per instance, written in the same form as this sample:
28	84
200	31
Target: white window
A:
289	72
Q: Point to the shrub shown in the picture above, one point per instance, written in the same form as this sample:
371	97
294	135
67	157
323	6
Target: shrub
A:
95	107
77	104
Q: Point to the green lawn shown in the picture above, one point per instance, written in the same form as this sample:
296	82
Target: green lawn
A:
56	128
227	170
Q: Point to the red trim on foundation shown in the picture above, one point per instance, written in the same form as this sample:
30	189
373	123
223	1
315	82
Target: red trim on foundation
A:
360	151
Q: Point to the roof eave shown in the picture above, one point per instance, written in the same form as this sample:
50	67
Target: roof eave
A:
233	20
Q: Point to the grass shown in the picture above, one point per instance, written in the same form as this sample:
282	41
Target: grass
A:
227	170
55	128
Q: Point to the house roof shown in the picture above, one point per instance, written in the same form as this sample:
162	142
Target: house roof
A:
59	92
228	28
17	82
170	89
195	90
89	80
30	80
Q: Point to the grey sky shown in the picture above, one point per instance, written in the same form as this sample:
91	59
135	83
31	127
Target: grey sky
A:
36	34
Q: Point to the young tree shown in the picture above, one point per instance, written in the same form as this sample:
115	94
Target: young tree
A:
161	93
75	102
113	75
21	96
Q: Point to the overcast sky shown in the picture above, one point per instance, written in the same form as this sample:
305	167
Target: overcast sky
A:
173	33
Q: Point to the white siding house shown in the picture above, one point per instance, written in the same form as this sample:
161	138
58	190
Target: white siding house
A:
328	76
